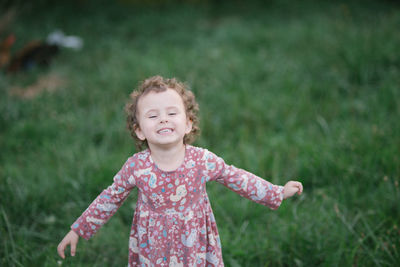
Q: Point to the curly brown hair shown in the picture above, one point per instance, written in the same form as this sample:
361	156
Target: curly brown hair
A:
160	84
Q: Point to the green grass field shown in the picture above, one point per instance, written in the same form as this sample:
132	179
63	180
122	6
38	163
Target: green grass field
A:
288	90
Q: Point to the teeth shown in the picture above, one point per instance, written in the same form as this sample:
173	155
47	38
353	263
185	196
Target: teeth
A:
165	131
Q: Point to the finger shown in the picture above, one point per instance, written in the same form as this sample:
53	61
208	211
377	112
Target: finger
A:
60	250
300	185
73	248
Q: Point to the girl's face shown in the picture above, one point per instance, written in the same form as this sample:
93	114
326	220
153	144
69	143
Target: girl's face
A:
162	119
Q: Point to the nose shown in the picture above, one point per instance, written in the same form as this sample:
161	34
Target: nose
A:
163	118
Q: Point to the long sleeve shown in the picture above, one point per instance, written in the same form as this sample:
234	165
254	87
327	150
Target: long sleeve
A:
107	203
243	183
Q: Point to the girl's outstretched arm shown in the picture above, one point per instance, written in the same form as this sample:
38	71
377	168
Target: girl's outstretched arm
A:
291	188
72	239
242	182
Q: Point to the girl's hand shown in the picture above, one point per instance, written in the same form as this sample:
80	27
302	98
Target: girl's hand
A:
70	239
291	188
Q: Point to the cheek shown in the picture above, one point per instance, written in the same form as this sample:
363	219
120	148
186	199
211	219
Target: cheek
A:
142	130
146	127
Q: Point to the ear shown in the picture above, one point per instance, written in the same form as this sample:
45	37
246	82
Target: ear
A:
139	133
189	126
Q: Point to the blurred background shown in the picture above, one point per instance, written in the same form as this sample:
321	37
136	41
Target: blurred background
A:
289	90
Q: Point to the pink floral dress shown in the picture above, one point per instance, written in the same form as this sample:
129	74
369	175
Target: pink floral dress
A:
173	224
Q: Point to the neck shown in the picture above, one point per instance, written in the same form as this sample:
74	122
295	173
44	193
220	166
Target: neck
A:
168	158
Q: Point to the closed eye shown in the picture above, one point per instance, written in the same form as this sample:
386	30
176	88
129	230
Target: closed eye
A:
152	117
172	113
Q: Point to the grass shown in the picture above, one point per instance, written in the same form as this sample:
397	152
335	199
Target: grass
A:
287	90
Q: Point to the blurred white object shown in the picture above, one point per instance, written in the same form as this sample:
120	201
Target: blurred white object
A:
59	38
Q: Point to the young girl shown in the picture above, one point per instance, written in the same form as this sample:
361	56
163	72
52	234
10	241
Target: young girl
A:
173	224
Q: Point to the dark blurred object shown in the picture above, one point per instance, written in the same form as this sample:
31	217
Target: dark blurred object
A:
35	53
6	39
5	50
32	54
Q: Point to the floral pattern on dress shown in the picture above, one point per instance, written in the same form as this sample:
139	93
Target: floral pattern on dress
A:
173	224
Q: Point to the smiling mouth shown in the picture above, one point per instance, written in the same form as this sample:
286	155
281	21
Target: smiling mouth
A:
165	131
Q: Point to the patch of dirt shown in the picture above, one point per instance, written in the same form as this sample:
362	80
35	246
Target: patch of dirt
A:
47	83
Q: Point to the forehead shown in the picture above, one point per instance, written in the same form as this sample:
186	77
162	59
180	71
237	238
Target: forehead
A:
159	100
